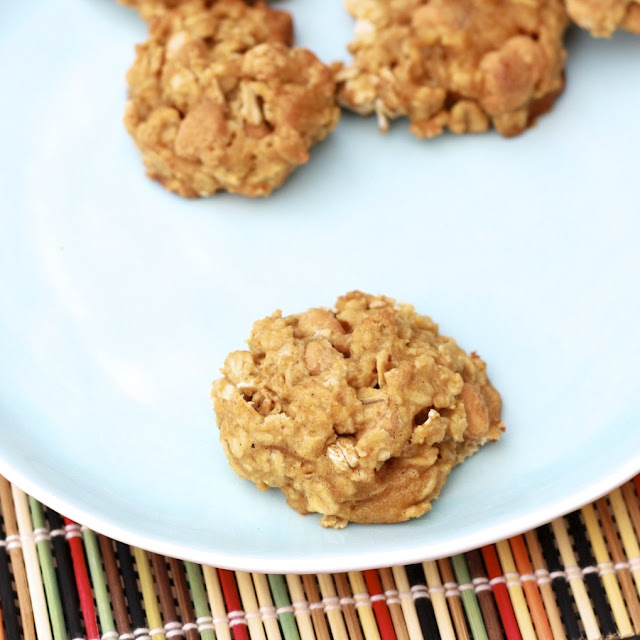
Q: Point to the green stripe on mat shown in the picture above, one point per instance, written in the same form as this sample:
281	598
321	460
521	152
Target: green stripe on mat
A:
284	608
200	602
100	590
45	556
469	599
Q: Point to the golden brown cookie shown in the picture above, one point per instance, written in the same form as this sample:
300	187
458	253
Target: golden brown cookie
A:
219	100
602	17
464	65
358	413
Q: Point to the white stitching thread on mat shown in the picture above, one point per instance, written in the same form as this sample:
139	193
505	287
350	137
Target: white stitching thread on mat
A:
236	617
542	576
301	607
268	612
362	600
41	534
204	623
173	629
331	602
480	584
558	574
513	579
419	591
392	596
605	568
573	573
13	542
72	531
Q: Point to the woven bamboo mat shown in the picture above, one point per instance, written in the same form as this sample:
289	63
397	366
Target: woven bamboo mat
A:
576	577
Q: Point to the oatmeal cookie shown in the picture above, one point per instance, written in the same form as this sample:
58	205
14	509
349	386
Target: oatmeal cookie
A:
464	65
602	17
357	413
218	99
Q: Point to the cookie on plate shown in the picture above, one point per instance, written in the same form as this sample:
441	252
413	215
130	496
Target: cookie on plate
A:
219	100
602	17
464	65
358	413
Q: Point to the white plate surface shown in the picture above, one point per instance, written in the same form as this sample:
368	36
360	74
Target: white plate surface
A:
120	301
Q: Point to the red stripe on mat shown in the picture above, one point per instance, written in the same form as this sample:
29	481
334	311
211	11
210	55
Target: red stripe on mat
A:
82	580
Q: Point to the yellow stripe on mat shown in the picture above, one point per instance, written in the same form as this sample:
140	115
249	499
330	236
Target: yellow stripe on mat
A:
438	600
516	592
332	607
216	603
250	605
407	602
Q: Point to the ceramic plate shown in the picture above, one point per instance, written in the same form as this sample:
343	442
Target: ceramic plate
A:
120	300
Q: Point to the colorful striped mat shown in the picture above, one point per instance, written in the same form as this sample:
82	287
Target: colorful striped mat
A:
576	577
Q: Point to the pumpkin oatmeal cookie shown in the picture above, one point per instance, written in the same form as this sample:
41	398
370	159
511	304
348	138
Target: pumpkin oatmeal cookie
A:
602	17
464	65
358	413
218	99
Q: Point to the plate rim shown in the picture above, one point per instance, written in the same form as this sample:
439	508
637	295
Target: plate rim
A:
97	522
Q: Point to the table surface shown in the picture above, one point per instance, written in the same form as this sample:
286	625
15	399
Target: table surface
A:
576	577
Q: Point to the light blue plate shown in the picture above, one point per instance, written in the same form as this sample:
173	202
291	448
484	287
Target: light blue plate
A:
119	301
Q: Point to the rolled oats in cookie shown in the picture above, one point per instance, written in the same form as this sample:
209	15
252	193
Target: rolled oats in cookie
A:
603	17
462	65
358	413
219	100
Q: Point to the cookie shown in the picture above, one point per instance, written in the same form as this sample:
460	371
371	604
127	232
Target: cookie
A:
461	65
219	100
603	17
358	413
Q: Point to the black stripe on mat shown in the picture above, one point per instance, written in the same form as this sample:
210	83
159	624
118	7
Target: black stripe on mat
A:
592	575
66	575
424	607
559	582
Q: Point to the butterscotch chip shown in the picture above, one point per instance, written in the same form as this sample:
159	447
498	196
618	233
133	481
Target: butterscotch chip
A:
602	17
464	65
219	100
358	412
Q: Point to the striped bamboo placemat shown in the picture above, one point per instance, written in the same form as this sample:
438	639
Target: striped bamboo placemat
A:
576	577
